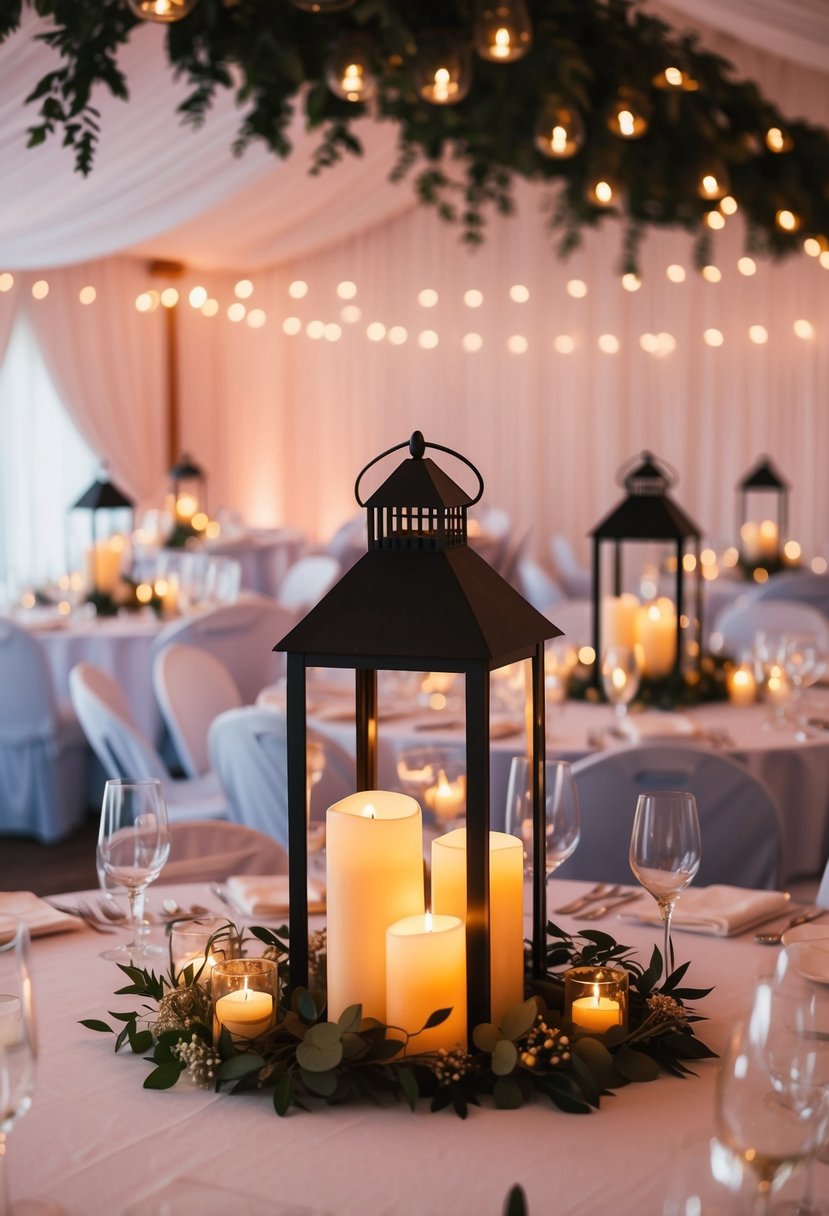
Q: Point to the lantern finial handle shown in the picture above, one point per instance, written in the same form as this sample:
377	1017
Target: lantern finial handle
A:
417	446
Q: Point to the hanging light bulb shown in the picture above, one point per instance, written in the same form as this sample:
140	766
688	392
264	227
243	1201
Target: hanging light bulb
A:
559	130
778	140
162	11
786	220
712	182
675	79
443	68
348	72
629	115
503	31
322	6
603	191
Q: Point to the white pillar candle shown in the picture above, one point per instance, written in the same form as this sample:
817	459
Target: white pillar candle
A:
656	627
374	846
618	620
506	911
426	971
245	1012
103	565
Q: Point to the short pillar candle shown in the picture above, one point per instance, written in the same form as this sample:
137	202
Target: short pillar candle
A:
506	907
596	998
244	992
426	971
374	848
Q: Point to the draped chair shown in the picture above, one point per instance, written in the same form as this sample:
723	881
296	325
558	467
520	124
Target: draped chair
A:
210	850
42	746
307	581
800	585
125	752
738	815
736	626
192	688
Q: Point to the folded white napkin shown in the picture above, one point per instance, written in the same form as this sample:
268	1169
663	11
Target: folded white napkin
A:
718	910
655	724
268	896
40	917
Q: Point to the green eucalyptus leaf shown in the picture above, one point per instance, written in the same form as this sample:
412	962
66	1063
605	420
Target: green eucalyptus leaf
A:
94	1024
141	1041
504	1058
165	1076
486	1037
408	1083
516	1204
321	1049
507	1094
635	1065
386	1049
242	1065
437	1018
350	1018
519	1020
283	1094
323	1084
305	1005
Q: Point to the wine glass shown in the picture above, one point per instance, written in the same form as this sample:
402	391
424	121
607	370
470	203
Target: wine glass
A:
771	1105
620	677
18	1047
665	851
133	846
561	813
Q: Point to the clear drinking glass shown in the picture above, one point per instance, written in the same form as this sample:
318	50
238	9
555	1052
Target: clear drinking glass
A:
771	1105
133	846
665	851
620	677
18	1049
562	822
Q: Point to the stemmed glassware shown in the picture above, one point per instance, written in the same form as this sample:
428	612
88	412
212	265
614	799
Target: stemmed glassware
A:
665	851
620	677
133	846
562	822
18	1048
771	1097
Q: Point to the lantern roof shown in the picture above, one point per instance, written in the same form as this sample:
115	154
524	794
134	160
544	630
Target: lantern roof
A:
420	482
763	476
429	605
186	468
103	494
648	512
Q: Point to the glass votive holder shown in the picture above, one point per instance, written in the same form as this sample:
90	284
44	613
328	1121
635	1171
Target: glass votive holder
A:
596	998
201	944
244	992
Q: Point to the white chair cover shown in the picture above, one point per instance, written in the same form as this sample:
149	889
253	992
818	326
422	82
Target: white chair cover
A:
800	585
42	746
211	850
737	625
248	751
242	636
575	579
124	752
738	815
193	687
537	586
307	581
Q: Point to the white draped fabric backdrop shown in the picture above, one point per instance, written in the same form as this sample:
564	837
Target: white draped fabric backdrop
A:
559	393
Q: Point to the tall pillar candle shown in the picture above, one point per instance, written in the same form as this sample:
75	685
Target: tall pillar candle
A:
657	639
426	971
619	614
374	847
506	907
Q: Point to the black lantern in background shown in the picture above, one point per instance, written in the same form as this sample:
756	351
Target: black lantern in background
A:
420	599
762	517
188	490
106	552
648	513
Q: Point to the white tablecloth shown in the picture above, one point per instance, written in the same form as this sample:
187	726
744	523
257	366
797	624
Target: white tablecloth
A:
264	556
95	1141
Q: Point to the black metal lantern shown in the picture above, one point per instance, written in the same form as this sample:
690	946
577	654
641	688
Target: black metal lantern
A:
188	498
762	516
421	599
648	513
102	495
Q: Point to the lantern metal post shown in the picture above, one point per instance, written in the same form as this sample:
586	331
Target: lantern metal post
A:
420	599
647	513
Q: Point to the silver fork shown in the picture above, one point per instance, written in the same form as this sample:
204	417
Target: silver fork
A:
85	913
110	911
606	909
600	891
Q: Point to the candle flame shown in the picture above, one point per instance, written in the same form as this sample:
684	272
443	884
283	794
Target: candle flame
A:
428	922
369	812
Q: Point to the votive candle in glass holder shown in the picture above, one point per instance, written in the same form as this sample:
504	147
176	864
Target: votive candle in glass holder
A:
596	998
201	944
244	992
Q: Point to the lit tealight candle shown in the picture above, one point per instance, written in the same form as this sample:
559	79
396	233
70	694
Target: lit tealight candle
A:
596	1013
426	971
446	798
245	1012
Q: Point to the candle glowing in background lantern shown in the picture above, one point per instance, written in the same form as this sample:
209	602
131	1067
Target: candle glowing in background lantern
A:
763	517
374	848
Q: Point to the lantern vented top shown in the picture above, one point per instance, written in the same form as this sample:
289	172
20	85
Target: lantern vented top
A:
647	476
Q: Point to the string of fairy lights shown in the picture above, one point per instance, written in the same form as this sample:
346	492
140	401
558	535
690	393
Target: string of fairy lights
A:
352	319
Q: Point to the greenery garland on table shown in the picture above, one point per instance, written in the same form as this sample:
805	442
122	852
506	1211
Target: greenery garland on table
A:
583	55
534	1052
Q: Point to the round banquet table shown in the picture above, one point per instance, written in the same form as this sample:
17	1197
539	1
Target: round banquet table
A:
796	772
264	555
96	1141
